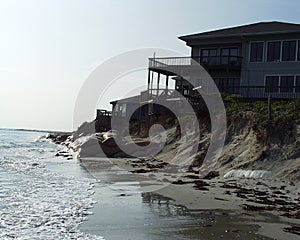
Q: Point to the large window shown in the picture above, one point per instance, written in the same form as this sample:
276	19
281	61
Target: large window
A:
272	84
282	84
286	83
273	51
256	51
289	51
209	56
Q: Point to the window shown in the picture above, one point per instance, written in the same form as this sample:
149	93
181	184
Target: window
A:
297	84
273	51
272	84
209	56
289	51
224	55
256	51
229	55
186	90
286	83
123	110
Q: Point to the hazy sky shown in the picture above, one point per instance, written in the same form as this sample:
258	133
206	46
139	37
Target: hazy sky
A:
49	48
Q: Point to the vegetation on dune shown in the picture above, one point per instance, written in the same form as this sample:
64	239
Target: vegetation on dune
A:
285	114
281	110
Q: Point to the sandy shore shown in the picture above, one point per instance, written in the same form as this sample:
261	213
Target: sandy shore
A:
265	209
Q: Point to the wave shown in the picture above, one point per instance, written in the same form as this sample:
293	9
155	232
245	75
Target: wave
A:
37	203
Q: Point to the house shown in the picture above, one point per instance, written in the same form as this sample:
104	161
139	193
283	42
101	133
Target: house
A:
103	120
134	108
255	61
127	108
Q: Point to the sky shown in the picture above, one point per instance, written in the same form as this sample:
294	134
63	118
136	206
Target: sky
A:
48	48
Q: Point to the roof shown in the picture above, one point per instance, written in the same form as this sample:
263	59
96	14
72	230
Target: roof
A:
260	28
134	99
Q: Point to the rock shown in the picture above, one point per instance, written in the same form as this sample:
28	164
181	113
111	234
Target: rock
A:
293	229
297	214
207	225
260	193
141	171
280	202
229	186
201	185
211	175
180	182
243	191
192	176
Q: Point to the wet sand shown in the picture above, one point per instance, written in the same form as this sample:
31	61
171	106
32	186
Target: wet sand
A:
125	215
176	211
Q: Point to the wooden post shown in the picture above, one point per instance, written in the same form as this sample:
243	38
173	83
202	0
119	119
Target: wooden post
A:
181	85
158	80
167	82
269	107
151	87
149	76
152	75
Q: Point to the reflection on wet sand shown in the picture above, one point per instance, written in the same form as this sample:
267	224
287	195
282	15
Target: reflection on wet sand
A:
196	224
135	216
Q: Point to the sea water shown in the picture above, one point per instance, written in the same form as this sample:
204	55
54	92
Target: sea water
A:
35	202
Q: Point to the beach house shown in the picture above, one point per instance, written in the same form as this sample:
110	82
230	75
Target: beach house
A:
254	61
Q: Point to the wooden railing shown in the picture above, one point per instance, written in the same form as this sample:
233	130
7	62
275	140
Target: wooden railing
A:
203	60
264	92
103	113
253	91
156	93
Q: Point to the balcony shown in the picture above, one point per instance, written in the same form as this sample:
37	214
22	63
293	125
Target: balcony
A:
208	62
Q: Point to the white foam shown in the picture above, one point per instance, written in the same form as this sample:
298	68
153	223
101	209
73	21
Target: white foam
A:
37	203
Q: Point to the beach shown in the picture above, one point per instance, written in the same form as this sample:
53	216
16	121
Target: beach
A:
62	197
179	211
251	193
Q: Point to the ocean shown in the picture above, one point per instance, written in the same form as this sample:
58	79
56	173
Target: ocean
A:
36	201
47	197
